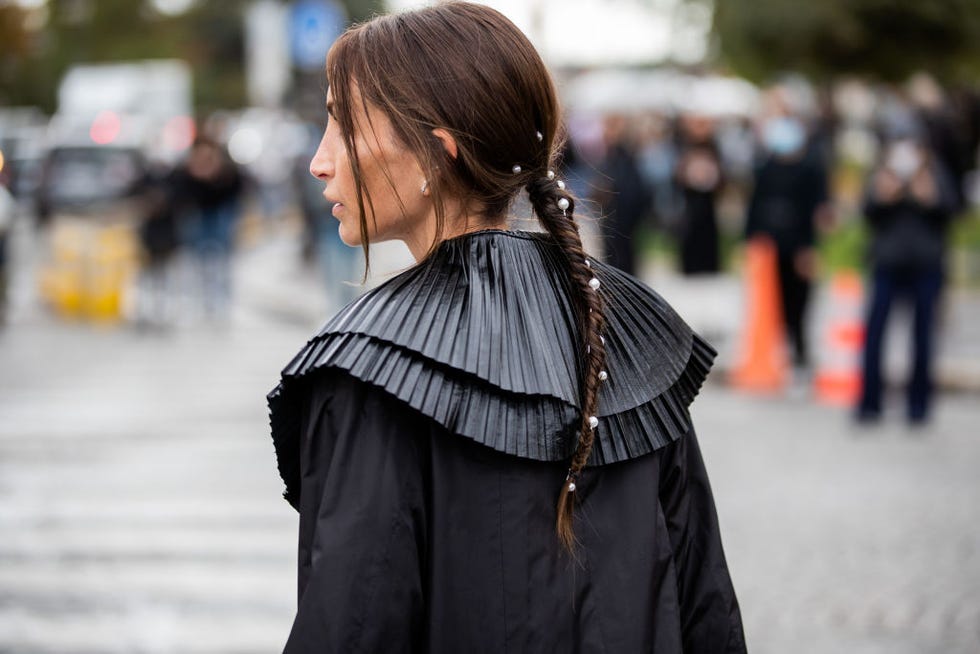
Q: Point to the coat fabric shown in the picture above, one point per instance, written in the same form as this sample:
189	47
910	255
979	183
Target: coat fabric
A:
423	436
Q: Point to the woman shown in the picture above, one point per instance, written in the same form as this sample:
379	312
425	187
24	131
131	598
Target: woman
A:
789	195
426	432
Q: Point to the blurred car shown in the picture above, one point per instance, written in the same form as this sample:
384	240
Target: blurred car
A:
90	202
23	140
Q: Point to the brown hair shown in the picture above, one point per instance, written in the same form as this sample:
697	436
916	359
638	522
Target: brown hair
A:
467	69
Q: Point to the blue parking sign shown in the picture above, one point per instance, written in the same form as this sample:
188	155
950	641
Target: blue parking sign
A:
313	27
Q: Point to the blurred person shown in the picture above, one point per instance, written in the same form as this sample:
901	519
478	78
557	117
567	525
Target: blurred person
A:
208	189
159	238
699	178
788	197
657	158
947	137
738	149
621	193
581	154
434	435
909	203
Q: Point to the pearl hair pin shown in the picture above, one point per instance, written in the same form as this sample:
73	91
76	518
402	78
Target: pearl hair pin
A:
561	184
540	136
563	204
594	283
516	169
593	422
603	375
551	174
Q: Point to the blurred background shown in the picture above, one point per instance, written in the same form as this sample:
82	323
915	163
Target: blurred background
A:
798	179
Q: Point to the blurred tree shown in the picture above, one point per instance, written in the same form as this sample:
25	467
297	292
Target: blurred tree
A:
209	36
14	48
361	10
884	39
13	32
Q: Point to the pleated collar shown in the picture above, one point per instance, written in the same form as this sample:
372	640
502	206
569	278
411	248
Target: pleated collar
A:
482	337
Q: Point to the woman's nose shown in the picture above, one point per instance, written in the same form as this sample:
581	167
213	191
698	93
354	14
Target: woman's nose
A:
321	166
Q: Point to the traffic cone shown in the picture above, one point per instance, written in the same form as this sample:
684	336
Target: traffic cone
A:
838	377
762	365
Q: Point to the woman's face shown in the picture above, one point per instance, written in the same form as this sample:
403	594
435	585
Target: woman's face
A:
391	176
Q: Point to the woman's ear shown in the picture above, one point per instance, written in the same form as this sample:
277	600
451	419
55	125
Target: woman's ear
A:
448	142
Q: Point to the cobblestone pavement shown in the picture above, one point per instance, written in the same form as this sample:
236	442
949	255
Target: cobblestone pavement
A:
843	539
140	509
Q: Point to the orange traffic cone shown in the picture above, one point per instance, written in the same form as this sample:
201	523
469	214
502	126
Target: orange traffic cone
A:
838	377
762	365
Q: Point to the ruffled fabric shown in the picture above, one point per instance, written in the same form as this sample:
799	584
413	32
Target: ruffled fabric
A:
482	338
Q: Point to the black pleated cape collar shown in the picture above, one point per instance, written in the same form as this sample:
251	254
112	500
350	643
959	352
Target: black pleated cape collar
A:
482	338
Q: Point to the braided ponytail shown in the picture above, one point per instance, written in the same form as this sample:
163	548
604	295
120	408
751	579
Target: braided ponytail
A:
502	111
555	209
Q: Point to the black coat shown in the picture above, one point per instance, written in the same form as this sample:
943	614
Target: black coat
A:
785	200
906	235
423	436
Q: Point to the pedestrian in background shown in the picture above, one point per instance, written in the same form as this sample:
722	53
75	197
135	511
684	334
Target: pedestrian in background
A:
699	178
909	203
209	187
789	192
657	160
434	435
159	238
621	193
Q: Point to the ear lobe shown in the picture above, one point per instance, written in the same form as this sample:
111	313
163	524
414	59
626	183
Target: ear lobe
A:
448	142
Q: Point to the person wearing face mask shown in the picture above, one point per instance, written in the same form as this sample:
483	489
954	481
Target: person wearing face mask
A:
790	189
909	203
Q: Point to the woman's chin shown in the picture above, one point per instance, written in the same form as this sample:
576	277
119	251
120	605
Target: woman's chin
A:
350	237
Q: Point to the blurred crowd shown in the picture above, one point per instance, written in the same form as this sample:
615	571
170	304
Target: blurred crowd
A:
781	174
787	165
127	233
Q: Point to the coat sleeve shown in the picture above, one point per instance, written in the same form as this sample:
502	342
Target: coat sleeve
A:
711	622
362	523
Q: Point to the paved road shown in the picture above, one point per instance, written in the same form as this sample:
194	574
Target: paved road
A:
140	510
847	540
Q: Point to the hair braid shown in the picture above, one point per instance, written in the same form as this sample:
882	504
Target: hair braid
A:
545	194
